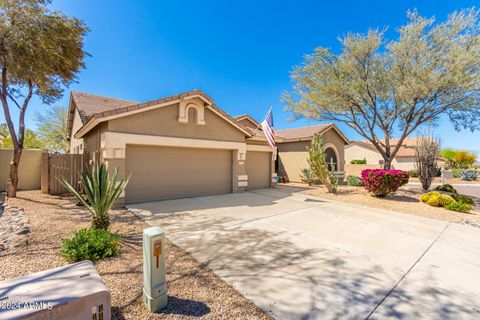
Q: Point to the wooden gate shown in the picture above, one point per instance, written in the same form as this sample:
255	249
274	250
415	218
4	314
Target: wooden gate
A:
56	167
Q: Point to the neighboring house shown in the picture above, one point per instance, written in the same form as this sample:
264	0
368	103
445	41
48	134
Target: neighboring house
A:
2	137
293	154
175	147
404	159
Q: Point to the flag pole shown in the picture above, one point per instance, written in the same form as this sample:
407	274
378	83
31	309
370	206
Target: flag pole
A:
269	109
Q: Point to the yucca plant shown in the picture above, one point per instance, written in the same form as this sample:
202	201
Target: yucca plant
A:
101	192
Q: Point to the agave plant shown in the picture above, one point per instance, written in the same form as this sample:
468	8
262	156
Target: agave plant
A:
101	192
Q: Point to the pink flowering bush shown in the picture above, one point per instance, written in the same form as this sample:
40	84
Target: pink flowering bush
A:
381	182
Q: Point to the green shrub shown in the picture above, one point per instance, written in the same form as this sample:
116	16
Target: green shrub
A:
459	207
462	199
307	176
456	173
362	161
90	244
446	188
354	181
413	173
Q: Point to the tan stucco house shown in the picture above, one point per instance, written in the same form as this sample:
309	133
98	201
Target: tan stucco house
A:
292	146
175	147
293	154
404	159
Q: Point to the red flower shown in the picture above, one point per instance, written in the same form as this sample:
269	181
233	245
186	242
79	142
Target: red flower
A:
381	182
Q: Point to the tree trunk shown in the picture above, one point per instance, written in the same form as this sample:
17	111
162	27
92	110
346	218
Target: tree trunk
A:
387	164
13	174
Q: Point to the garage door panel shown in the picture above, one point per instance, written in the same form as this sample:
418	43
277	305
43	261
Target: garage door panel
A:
160	173
258	166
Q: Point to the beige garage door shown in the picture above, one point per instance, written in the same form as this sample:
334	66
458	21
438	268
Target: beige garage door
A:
160	173
258	169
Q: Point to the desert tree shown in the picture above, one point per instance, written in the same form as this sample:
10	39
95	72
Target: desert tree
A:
319	167
41	52
427	149
30	141
384	88
51	128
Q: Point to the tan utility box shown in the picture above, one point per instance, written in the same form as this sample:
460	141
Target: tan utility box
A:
74	291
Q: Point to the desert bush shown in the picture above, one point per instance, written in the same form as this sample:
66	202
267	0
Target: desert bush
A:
100	192
306	176
426	196
413	173
464	159
354	181
456	173
469	175
459	207
319	166
440	200
462	198
381	182
446	188
90	244
426	149
362	161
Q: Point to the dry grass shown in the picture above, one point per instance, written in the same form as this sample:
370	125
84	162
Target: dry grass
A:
405	200
194	290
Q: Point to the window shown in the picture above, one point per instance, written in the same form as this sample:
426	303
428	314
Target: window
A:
331	159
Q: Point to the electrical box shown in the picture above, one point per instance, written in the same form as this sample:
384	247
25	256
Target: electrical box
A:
74	292
154	281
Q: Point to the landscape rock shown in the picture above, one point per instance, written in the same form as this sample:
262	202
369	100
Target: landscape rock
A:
14	227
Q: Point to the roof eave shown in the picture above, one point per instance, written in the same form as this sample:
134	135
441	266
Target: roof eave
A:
97	118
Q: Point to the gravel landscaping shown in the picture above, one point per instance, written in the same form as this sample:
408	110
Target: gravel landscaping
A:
404	200
194	290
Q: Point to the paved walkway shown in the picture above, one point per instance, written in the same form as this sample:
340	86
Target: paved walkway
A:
300	257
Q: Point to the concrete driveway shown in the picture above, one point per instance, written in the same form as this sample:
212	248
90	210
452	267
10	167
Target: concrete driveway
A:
299	257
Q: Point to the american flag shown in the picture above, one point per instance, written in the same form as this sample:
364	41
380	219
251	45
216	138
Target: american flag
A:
267	127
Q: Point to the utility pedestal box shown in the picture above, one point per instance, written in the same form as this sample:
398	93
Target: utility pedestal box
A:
154	282
74	292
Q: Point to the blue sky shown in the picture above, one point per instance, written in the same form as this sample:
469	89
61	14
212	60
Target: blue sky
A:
240	53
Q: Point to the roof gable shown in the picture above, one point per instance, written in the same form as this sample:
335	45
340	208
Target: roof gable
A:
127	108
87	104
246	117
306	133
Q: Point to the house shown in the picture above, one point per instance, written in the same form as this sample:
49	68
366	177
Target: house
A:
293	154
2	137
292	146
175	147
404	159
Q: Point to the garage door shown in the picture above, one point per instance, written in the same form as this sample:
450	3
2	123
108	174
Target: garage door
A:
160	173
258	169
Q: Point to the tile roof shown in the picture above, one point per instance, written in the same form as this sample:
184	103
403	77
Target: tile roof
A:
92	106
89	104
302	132
246	116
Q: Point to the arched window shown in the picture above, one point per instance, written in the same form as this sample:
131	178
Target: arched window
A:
331	158
192	115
